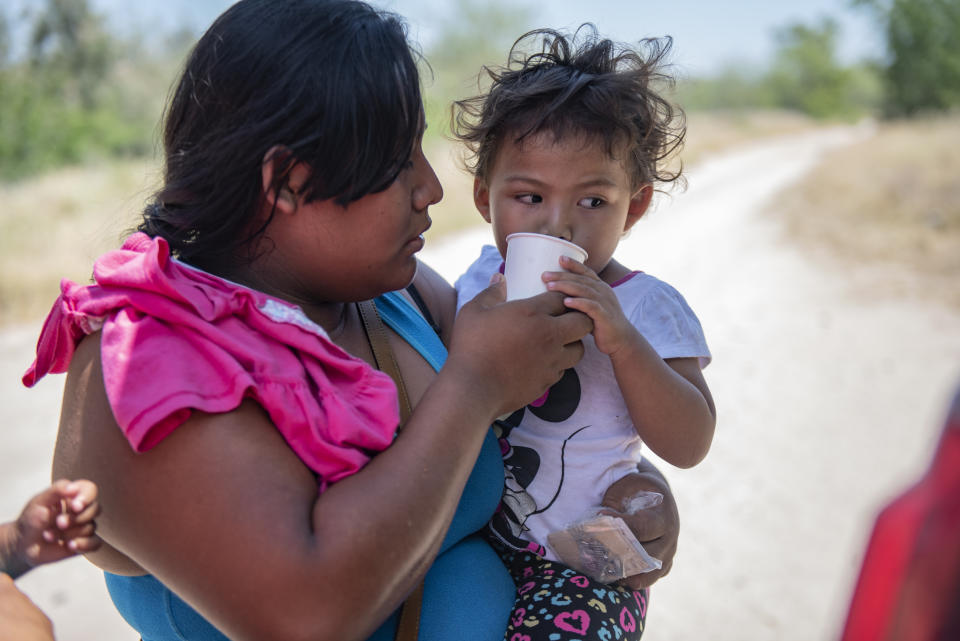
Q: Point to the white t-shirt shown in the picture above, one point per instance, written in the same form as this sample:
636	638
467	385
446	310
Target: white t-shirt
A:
563	451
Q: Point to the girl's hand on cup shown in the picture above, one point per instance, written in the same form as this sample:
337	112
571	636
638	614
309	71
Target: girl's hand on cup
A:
585	292
517	350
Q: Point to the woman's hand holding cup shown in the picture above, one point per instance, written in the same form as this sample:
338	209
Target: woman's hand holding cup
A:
515	351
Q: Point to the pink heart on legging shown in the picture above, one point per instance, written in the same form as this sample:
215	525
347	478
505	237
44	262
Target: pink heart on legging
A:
641	599
579	617
627	622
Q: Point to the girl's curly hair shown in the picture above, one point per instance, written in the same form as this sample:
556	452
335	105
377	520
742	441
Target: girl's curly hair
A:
578	84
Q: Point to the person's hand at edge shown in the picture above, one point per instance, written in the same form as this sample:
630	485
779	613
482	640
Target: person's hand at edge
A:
20	619
55	524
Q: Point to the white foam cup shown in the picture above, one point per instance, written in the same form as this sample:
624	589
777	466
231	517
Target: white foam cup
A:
528	256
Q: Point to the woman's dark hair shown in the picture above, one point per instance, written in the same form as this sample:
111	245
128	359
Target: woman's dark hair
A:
333	83
578	85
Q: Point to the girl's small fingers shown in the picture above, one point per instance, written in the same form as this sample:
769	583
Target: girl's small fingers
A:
575	266
575	288
549	277
588	306
82	490
87	513
584	306
583	274
80	531
84	544
62	486
601	317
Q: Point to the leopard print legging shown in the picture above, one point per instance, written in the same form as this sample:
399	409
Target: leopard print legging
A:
557	603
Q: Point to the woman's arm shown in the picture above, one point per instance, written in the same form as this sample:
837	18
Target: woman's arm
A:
224	513
657	528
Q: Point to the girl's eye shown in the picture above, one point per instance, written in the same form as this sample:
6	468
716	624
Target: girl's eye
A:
530	199
591	202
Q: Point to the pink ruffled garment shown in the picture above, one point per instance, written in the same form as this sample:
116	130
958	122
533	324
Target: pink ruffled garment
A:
176	339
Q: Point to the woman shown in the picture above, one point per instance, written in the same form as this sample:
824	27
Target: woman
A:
219	389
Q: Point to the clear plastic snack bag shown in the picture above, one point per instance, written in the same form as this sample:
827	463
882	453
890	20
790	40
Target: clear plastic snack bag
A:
602	546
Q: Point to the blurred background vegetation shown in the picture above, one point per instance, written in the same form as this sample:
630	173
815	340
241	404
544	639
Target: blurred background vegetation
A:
79	107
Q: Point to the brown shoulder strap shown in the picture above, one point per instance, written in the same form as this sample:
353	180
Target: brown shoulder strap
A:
383	353
409	625
408	628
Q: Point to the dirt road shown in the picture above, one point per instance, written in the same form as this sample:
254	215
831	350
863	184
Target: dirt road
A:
829	402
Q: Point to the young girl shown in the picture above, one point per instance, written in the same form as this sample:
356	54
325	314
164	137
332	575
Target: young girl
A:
568	142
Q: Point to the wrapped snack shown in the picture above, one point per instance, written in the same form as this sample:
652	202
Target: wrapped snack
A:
642	501
603	548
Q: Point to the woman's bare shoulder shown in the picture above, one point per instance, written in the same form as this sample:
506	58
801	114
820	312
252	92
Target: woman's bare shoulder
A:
86	420
439	295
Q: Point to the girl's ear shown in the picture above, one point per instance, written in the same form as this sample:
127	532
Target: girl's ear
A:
638	206
481	198
280	191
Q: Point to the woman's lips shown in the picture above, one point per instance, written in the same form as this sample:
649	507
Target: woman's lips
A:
415	244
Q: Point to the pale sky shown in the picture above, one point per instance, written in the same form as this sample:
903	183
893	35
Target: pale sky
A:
707	33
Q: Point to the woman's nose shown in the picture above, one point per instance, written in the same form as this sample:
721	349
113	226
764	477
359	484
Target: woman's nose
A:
428	190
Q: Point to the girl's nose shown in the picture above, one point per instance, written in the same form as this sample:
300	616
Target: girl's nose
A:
557	223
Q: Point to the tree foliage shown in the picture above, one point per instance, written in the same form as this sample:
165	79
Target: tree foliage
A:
804	75
474	33
70	94
75	90
922	70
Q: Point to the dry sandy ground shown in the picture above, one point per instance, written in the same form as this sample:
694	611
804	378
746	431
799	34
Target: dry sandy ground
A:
829	401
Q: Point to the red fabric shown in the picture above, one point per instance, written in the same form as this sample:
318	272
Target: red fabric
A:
909	585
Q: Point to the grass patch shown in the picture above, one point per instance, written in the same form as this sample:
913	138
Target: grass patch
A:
54	225
887	209
712	132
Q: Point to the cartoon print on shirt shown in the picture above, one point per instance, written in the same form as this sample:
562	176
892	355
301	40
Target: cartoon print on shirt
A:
560	401
522	463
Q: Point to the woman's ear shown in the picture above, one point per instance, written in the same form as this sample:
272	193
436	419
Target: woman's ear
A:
280	189
639	204
481	197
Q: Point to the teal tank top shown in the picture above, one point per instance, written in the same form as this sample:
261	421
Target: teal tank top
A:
468	594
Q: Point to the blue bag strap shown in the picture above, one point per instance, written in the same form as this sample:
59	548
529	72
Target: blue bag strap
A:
403	318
